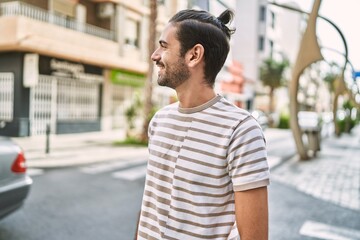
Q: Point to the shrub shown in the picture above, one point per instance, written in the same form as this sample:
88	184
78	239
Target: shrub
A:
284	121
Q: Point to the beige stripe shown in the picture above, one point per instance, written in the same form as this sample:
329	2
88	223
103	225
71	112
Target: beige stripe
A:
159	176
148	225
203	194
169	238
202	184
158	210
213	124
202	163
263	159
152	217
201	107
198	235
228	104
247	153
209	133
170	126
158	187
165	145
221	109
220	116
215	225
242	133
203	215
145	235
162	155
203	204
251	172
168	135
207	142
202	173
161	166
245	143
252	185
171	116
156	197
204	152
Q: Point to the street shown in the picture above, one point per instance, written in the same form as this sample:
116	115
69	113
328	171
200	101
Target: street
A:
102	201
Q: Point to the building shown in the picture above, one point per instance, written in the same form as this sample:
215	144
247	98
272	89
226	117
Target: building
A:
263	31
71	65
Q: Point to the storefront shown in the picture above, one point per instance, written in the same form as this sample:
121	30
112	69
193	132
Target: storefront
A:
125	87
42	91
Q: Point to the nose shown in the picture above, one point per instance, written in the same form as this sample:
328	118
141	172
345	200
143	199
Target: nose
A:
155	56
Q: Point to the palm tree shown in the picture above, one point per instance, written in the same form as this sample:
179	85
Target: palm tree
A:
272	75
148	104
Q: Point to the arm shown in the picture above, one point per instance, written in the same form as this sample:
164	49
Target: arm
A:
251	210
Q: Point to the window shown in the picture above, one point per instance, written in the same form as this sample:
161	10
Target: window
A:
273	19
262	13
6	96
271	43
261	43
132	33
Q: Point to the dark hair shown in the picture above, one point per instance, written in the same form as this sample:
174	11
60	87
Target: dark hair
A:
201	27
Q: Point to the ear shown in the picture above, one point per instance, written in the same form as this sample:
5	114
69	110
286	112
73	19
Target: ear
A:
195	55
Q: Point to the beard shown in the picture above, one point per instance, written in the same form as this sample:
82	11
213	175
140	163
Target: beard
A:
173	75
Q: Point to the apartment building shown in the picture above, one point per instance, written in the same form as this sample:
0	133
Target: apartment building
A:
71	65
263	31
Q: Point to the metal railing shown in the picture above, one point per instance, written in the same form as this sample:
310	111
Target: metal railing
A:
23	9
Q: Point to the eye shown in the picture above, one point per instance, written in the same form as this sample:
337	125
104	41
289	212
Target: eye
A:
162	44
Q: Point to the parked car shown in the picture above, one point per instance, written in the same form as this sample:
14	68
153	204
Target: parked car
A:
261	117
14	182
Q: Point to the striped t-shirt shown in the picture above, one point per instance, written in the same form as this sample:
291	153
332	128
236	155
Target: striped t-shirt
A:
198	157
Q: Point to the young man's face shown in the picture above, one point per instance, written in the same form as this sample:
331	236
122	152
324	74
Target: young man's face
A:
172	67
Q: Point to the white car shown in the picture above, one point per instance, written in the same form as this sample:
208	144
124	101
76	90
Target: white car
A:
14	182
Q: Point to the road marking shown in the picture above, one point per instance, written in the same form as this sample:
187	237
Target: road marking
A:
110	166
324	231
34	171
131	174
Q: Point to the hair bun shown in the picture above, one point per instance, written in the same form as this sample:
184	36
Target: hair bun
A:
226	17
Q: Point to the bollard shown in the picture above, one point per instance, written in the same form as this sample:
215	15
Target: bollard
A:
47	149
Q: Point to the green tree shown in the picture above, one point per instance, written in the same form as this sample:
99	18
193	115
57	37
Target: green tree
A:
272	76
331	76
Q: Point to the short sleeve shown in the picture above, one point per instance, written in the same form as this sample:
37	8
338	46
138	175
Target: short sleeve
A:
247	157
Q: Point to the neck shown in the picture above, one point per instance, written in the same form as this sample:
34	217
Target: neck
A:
193	95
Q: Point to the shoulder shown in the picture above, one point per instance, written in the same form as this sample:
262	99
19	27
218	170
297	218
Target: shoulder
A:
229	110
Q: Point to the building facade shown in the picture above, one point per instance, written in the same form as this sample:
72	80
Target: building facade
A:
263	31
71	65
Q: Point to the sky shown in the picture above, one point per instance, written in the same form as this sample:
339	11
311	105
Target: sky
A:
345	14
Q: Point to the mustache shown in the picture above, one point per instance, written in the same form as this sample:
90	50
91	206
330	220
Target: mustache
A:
159	64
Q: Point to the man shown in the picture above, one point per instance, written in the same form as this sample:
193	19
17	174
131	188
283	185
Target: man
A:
207	171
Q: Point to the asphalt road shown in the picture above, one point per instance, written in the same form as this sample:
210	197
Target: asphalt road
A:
102	201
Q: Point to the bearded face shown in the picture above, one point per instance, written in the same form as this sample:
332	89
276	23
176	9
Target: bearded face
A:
172	74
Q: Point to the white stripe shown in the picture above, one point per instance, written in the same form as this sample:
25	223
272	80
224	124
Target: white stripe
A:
109	166
324	231
131	174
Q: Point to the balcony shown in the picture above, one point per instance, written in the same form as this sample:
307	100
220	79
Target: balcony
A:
17	8
29	29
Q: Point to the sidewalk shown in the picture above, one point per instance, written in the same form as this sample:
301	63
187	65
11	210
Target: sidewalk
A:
86	148
333	176
77	149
